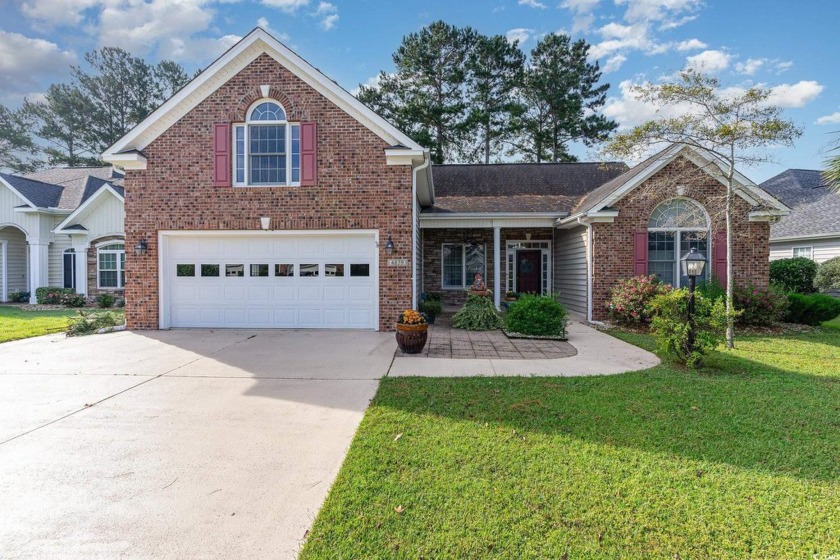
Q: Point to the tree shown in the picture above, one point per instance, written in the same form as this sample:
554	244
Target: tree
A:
61	119
425	97
562	97
495	74
170	77
735	127
831	173
17	149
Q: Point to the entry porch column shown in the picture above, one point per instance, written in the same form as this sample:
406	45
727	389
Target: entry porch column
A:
497	266
80	246
38	266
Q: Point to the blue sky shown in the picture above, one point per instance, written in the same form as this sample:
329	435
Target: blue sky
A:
785	45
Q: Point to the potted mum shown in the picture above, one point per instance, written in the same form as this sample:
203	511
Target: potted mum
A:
412	331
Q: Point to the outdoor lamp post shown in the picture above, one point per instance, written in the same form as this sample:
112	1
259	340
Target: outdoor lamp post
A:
693	264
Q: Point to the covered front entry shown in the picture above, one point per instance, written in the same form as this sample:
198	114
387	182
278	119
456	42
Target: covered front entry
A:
14	264
324	279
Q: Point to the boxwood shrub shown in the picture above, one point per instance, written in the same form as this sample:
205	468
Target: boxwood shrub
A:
812	309
537	315
794	275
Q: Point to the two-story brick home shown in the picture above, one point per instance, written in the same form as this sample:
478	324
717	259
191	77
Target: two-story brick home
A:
264	195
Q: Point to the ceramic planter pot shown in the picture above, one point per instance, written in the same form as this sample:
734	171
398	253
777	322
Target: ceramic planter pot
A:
412	338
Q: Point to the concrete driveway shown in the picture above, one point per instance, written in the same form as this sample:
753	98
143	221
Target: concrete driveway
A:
179	444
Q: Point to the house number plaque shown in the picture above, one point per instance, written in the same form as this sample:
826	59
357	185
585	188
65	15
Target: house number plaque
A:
397	262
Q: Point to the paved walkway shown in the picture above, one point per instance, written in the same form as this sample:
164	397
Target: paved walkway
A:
597	354
446	342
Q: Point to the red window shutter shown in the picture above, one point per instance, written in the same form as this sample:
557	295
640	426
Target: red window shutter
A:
719	263
308	154
640	253
221	154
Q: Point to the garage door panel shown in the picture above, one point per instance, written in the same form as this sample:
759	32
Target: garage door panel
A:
337	300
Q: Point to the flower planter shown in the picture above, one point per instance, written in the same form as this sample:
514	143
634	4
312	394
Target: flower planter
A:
412	338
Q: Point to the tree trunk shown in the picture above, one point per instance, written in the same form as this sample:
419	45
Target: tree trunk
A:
730	279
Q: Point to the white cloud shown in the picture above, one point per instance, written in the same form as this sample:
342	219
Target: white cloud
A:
57	12
372	82
532	4
784	66
580	6
196	49
279	35
833	118
751	66
658	10
520	34
328	13
614	63
792	96
24	59
582	23
288	6
329	22
691	45
709	61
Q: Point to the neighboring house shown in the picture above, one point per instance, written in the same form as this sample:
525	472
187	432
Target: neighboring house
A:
268	197
62	227
813	228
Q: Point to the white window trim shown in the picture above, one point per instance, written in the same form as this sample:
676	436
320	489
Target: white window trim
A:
464	285
514	245
678	238
120	261
810	249
245	127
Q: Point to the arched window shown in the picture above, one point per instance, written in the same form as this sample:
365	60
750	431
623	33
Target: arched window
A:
266	147
675	227
110	260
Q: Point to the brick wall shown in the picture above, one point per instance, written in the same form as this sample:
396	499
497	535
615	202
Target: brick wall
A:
355	188
613	242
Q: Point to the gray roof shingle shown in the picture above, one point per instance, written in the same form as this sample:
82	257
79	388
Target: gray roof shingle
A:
74	180
42	195
815	208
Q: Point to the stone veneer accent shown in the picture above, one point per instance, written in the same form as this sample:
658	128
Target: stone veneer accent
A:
93	267
355	188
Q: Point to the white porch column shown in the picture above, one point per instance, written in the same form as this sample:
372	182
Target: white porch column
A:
80	246
38	266
497	267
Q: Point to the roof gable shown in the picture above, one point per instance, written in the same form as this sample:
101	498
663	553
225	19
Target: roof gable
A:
815	208
34	193
94	191
256	43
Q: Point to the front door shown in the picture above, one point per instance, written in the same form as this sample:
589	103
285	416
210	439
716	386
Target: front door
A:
529	271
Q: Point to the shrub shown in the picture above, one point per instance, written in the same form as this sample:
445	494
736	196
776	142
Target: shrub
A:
477	314
759	307
51	296
712	289
670	326
105	300
19	297
828	276
431	307
72	300
89	322
121	302
433	296
537	315
794	275
630	299
811	309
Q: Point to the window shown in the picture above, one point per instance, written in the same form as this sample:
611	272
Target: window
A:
69	265
185	269
675	227
461	262
259	270
309	270
235	270
804	252
284	270
266	147
111	265
359	270
209	270
333	270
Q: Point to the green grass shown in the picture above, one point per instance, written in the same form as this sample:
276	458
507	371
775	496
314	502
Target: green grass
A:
16	323
833	325
741	459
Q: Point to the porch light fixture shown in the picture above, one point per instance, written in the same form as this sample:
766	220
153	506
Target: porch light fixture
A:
141	248
265	222
389	246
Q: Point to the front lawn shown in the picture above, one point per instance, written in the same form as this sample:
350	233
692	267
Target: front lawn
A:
16	323
739	460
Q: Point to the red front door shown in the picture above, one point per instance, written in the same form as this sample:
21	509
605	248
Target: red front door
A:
529	272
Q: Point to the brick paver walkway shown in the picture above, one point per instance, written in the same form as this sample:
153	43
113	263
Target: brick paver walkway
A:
446	342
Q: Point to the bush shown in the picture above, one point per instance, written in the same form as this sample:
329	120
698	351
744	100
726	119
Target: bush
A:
72	300
105	300
670	326
89	322
630	299
121	302
19	297
432	296
811	309
478	314
794	275
537	315
431	307
51	296
711	289
759	307
828	276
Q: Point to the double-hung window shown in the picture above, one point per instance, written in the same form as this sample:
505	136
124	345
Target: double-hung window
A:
675	227
111	265
461	262
266	148
803	252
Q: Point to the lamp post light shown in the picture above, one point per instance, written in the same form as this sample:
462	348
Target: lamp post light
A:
693	264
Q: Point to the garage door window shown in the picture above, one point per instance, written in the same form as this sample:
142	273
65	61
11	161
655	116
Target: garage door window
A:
309	270
185	269
235	270
209	270
284	270
259	270
359	270
334	270
111	261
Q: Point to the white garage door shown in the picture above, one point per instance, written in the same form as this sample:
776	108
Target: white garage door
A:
270	281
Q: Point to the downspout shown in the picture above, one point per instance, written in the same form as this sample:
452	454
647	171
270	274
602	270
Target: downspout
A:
590	271
415	245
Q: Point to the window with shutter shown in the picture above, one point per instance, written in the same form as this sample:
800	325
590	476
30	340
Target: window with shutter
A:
266	148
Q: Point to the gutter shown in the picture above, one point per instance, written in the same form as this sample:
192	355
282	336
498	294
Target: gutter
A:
415	222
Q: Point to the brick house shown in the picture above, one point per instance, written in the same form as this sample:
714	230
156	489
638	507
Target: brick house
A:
267	196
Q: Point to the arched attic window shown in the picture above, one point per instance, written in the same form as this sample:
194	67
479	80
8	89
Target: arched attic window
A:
266	147
675	227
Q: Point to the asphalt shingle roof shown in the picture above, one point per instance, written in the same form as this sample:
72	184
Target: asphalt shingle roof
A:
42	195
815	208
74	180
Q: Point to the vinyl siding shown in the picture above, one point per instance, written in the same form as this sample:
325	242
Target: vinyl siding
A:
56	267
105	218
824	249
16	259
570	267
